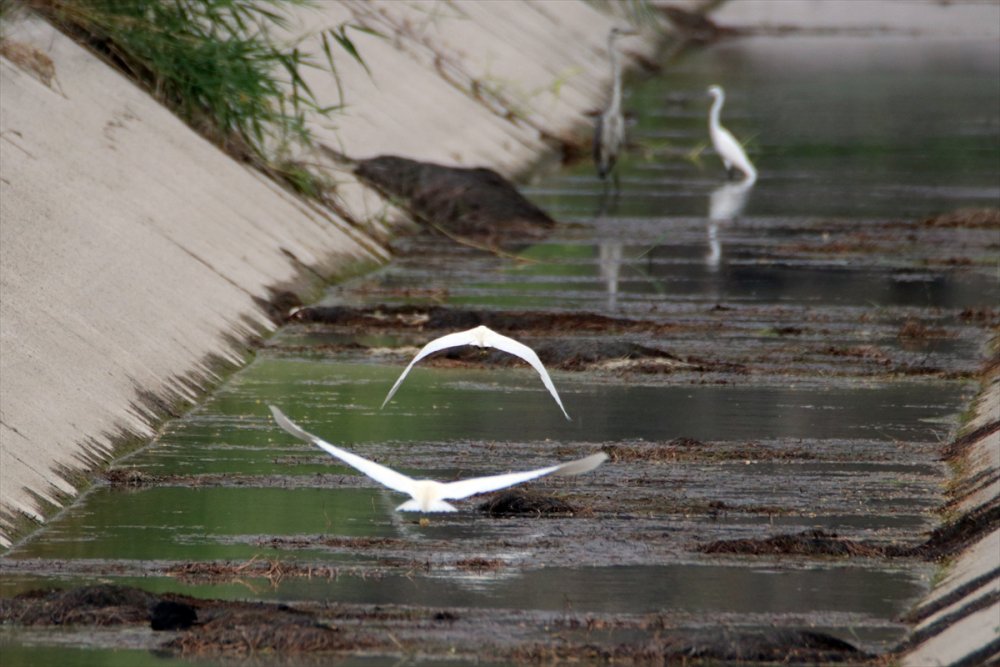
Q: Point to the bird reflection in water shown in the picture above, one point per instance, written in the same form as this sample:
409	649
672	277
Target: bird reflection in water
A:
610	262
725	205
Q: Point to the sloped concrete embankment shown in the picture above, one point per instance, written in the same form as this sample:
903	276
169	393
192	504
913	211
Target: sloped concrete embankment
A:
138	262
959	622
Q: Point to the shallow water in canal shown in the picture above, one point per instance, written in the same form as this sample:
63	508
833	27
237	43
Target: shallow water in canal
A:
775	319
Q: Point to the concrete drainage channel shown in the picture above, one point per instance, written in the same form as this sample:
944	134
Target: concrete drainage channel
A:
964	605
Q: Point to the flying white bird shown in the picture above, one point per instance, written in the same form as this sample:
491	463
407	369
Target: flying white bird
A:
482	337
730	150
426	494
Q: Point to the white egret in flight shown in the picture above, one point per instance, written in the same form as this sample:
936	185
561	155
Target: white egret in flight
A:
609	135
426	495
482	337
730	150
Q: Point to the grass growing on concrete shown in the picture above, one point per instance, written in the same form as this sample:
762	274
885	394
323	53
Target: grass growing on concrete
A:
222	66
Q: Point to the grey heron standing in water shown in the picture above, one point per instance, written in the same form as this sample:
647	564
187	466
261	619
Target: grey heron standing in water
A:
725	144
609	135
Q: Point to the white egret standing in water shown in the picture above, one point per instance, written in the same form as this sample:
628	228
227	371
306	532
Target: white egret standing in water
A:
730	150
427	495
609	135
483	337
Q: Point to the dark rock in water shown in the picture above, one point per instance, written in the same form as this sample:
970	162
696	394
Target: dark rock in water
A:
471	202
522	503
171	615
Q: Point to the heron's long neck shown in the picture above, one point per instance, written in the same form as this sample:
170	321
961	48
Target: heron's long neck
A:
713	116
616	79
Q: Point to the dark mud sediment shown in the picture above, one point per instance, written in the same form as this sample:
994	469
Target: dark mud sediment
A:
100	605
522	503
760	341
193	626
476	202
218	628
268	629
707	648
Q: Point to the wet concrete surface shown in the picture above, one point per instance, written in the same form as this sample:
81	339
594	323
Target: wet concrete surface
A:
774	390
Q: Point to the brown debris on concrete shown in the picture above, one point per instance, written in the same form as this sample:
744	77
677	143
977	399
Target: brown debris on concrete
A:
475	202
985	218
479	564
984	315
265	630
694	25
942	542
689	449
650	451
228	628
273	570
953	537
224	628
333	541
807	543
914	329
523	503
960	446
100	605
421	317
30	59
779	646
128	477
578	353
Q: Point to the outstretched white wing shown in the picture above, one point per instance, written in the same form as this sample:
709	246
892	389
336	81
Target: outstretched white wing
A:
385	476
470	487
436	345
511	346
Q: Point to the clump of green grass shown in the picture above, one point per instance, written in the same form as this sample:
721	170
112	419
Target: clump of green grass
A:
221	66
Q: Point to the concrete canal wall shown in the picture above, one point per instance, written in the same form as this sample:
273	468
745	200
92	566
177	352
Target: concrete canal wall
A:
958	623
137	260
